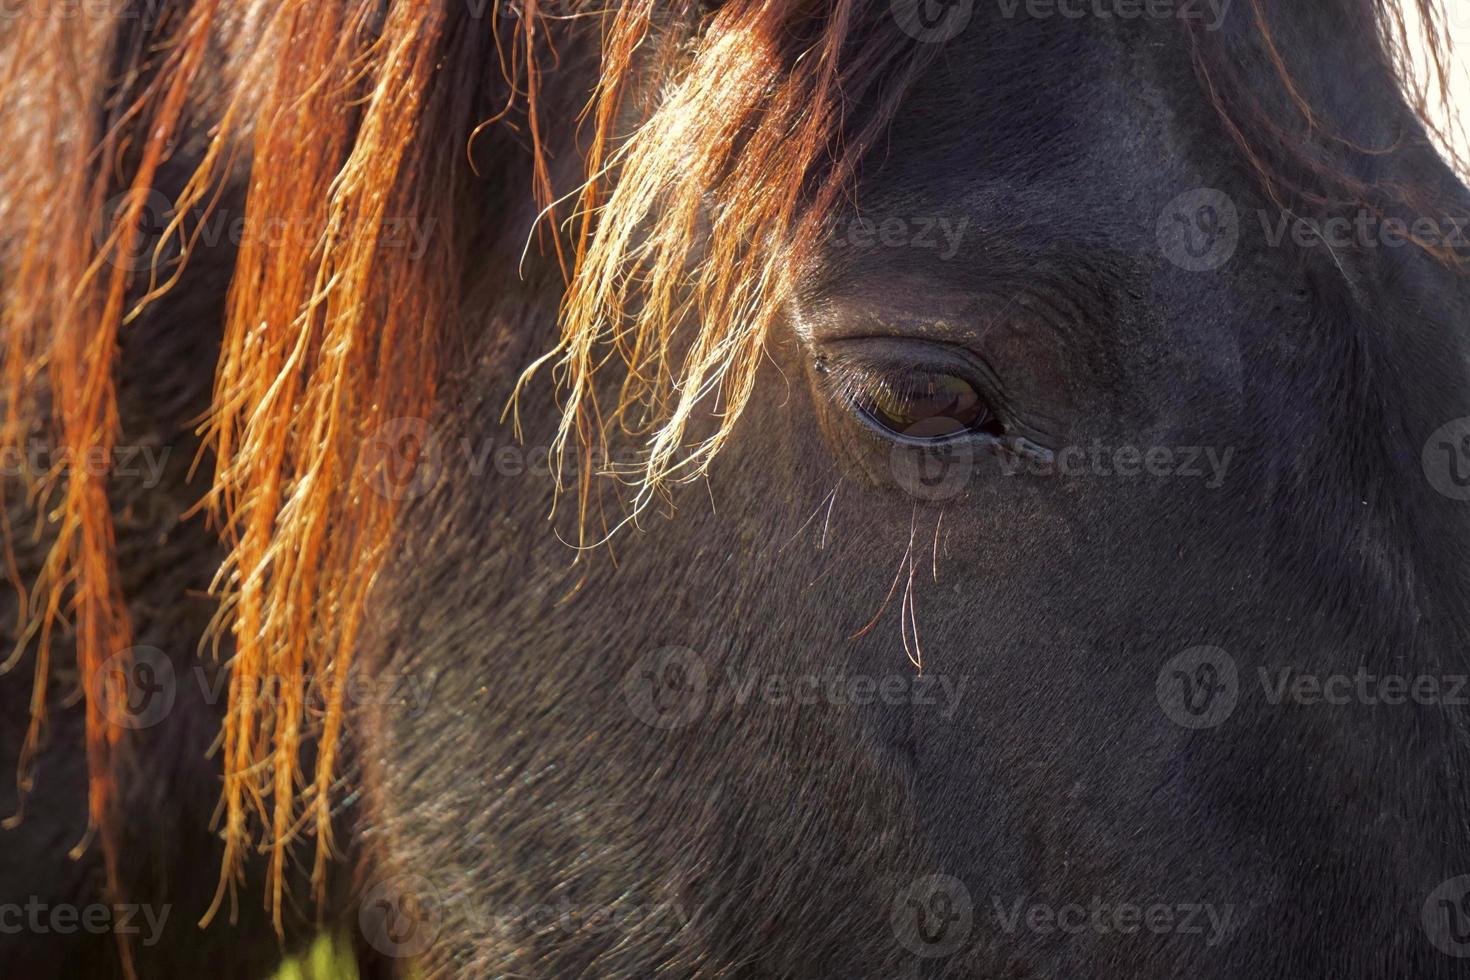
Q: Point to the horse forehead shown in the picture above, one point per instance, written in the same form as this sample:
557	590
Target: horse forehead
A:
1033	123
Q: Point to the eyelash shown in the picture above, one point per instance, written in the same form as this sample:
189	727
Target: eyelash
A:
847	381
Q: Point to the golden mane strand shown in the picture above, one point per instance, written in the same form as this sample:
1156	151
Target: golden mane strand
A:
696	228
325	343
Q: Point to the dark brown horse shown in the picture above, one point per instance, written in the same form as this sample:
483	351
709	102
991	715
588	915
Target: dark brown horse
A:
1075	581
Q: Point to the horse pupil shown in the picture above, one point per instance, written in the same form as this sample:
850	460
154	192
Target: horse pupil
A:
947	406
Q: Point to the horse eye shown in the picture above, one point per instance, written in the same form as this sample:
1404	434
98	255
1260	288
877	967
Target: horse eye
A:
929	408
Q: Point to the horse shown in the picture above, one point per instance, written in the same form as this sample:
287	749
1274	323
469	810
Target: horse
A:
1072	581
